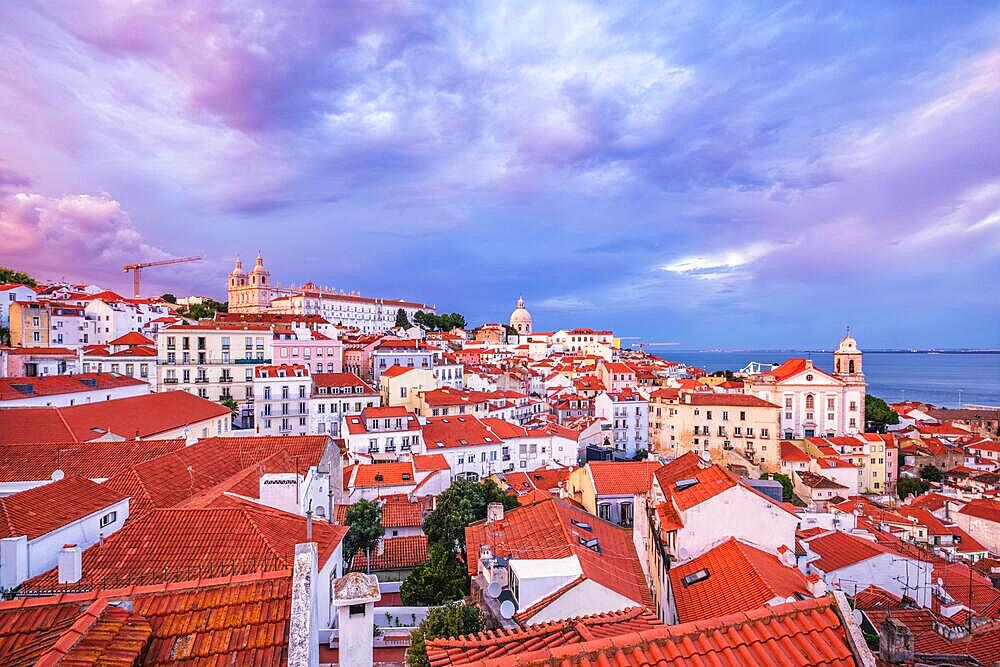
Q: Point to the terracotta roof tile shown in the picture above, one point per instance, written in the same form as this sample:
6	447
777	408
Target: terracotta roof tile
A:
740	578
801	633
240	620
43	509
545	530
398	553
471	649
20	388
144	416
93	460
622	477
182	544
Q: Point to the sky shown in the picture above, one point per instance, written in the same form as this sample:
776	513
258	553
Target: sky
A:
716	175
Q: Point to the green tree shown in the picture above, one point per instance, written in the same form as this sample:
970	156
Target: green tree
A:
931	473
230	403
910	486
463	503
449	620
401	319
205	310
878	414
168	297
364	518
453	321
11	276
441	578
787	488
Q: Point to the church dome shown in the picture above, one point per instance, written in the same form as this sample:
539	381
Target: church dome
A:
520	319
238	269
258	266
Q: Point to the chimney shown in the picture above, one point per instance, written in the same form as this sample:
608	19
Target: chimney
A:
494	512
816	585
70	564
303	627
896	642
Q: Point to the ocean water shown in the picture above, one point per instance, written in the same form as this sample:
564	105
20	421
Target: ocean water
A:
947	379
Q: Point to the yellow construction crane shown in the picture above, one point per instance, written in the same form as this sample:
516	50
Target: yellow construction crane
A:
137	267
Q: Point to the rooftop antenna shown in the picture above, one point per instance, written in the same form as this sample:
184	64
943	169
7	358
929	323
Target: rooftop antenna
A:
309	522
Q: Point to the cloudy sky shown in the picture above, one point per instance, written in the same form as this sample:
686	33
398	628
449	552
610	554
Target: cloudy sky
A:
689	172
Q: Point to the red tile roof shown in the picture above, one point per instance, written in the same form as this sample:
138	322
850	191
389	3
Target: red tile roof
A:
545	530
982	509
622	477
791	452
93	460
143	416
983	644
493	644
838	549
396	370
398	553
179	476
809	632
740	578
875	597
426	462
341	380
457	431
723	400
384	474
41	510
17	388
182	544
239	620
132	338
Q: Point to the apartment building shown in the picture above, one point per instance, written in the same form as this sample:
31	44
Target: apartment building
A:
628	414
712	423
215	361
29	324
281	399
335	396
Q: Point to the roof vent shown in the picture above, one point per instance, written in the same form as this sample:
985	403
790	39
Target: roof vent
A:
580	524
406	475
379	477
684	484
695	577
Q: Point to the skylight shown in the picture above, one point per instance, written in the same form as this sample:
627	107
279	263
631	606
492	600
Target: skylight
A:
579	524
695	577
683	484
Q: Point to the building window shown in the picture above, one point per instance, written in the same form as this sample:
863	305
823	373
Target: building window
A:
604	511
108	519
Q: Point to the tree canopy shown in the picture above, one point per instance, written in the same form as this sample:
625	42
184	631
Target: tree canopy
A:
442	322
205	310
401	319
878	414
446	621
909	486
364	518
168	297
463	503
931	473
441	578
8	275
230	403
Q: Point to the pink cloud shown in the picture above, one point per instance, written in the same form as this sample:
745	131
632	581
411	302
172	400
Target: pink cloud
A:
74	233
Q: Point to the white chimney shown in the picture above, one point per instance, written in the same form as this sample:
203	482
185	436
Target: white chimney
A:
494	512
817	586
70	564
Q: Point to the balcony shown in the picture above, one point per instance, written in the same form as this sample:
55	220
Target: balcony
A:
226	378
169	380
201	380
252	361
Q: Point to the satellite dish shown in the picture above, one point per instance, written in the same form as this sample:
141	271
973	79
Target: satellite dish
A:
507	609
859	618
493	590
57	474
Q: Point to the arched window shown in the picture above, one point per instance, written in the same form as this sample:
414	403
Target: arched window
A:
810	401
838	365
850	366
